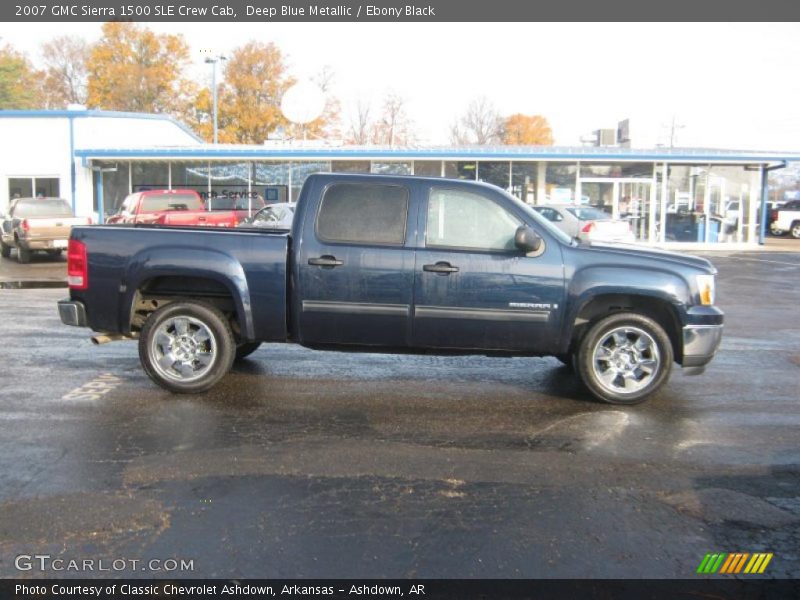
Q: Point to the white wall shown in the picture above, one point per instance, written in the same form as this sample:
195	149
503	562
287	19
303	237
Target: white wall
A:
40	147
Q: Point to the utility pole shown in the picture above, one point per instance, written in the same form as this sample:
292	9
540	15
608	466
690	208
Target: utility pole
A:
673	127
213	60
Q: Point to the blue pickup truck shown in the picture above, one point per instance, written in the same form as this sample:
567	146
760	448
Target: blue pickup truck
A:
397	265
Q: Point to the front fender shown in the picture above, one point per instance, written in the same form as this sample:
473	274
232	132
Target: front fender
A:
180	261
593	282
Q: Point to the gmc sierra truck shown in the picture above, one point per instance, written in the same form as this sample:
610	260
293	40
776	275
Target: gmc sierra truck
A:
397	265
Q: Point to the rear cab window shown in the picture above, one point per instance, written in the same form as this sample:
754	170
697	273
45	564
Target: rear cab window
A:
42	207
363	213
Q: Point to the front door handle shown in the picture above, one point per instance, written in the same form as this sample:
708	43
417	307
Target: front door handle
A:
325	261
443	268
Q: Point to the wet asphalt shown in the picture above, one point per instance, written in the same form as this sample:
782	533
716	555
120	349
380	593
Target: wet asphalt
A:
311	464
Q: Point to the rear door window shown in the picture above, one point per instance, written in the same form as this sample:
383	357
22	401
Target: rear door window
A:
363	213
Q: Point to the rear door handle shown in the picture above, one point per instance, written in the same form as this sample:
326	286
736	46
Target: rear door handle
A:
443	268
325	261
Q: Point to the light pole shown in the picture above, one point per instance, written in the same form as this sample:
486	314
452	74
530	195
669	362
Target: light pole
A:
213	60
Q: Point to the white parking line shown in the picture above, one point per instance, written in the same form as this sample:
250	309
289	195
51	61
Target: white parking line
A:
94	389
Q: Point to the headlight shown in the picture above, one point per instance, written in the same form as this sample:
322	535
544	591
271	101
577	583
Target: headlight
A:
705	284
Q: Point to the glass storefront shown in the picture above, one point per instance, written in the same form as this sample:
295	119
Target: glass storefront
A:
706	203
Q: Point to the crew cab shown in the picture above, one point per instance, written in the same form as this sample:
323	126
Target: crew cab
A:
786	219
170	207
397	265
37	224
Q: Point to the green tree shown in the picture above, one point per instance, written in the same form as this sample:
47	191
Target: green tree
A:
19	81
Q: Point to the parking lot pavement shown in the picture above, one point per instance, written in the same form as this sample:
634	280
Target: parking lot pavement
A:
302	463
42	268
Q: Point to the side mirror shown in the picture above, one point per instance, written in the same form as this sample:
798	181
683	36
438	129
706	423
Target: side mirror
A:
526	239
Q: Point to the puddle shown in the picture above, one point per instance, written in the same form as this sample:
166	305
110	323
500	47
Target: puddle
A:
28	285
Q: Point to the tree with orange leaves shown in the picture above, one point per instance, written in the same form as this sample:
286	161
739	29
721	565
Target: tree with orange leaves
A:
133	69
527	130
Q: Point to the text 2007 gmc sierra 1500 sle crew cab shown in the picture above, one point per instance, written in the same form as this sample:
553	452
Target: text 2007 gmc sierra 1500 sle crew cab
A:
395	264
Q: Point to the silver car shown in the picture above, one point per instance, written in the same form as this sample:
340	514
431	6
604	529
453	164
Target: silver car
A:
587	223
273	216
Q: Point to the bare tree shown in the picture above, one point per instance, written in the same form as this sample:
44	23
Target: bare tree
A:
480	125
394	128
360	128
65	71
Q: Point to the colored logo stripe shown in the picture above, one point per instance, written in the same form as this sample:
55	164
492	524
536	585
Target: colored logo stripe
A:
733	562
758	563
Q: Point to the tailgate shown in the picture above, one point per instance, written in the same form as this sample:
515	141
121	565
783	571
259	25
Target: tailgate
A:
213	218
55	228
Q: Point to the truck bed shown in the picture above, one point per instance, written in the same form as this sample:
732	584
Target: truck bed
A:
123	259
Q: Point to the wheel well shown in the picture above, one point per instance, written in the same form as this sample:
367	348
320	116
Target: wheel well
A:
661	311
160	291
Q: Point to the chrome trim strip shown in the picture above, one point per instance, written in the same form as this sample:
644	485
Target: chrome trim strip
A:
356	308
479	314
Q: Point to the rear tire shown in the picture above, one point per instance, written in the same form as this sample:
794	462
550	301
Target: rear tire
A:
246	349
23	255
795	230
5	250
624	358
186	347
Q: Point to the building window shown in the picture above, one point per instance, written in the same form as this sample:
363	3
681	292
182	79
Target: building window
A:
428	168
29	187
619	170
391	168
496	173
460	169
150	176
301	171
115	186
350	166
523	181
560	182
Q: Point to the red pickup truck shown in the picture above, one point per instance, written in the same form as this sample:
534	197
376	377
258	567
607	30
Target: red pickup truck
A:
170	207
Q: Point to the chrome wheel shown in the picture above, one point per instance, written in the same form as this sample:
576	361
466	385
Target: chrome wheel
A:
183	348
625	360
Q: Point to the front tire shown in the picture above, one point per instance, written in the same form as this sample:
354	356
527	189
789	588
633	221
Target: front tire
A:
624	358
795	231
186	347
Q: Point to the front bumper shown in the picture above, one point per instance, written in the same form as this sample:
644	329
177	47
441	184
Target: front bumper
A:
701	337
72	312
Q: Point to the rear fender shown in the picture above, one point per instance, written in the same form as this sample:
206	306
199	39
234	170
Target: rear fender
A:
165	261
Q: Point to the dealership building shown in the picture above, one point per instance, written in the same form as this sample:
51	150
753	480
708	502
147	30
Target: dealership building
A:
686	197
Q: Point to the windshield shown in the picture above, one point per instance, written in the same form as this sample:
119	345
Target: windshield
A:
42	207
588	213
167	202
541	221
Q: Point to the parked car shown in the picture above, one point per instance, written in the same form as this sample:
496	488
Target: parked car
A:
786	219
170	207
38	224
274	216
244	207
395	264
587	223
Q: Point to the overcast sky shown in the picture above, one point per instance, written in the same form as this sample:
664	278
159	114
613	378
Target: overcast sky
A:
727	85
